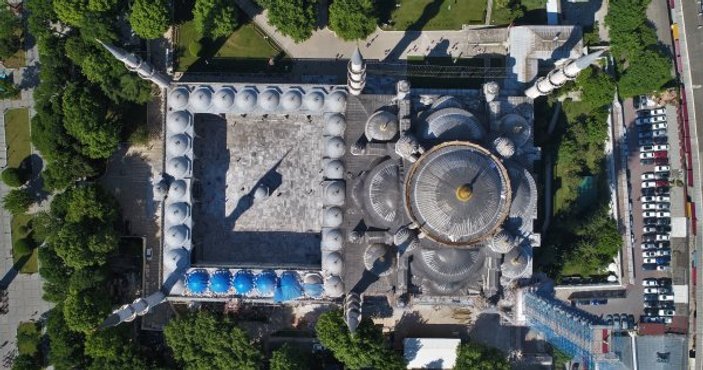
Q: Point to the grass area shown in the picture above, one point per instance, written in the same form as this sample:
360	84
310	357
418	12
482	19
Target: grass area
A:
19	229
28	338
244	50
429	15
17	136
533	12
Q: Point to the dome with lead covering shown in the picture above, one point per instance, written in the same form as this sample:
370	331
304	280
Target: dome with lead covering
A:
516	263
332	264
178	121
381	126
451	124
175	236
178	98
161	189
312	285
407	145
201	99
524	195
178	144
336	101
332	217
176	258
335	124
334	193
177	190
246	100
448	265
446	101
292	100
515	127
266	283
334	286
269	100
177	213
502	242
223	99
383	198
243	282
334	170
178	166
331	239
457	193
197	281
314	101
334	147
378	259
504	146
220	281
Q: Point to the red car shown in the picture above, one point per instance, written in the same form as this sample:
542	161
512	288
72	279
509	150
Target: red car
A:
661	154
661	161
661	183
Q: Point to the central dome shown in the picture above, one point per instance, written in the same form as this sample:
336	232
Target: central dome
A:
458	193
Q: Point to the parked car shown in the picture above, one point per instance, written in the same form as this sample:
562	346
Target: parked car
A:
648	246
661	154
659	147
662	169
650	260
651	290
663	206
664	221
649	176
646	148
663	253
668	320
665	290
662	198
666	297
644	134
649	214
650	282
650	221
649	267
661	161
660	237
667	312
663	267
649	206
659	133
664	282
648	238
659	126
649	253
649	184
661	214
648	199
647	155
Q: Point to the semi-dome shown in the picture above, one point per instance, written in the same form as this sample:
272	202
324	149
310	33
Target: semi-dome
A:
524	195
334	287
175	236
332	264
243	282
178	121
220	281
314	101
446	101
292	100
197	281
246	100
334	170
334	193
223	99
331	239
407	145
266	283
335	124
504	146
178	166
336	101
451	124
378	259
516	263
502	242
269	100
448	265
382	191
177	190
176	258
332	217
201	99
457	193
516	128
381	126
178	144
334	147
177	213
178	98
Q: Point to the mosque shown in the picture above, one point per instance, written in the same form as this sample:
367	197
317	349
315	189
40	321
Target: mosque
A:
305	192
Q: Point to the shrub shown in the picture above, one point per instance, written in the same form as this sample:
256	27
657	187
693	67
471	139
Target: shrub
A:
194	48
13	177
23	247
17	201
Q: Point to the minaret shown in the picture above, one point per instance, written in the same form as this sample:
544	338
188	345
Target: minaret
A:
557	77
136	64
129	312
352	311
356	73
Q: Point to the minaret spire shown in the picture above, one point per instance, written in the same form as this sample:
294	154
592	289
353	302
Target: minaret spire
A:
134	63
557	77
356	73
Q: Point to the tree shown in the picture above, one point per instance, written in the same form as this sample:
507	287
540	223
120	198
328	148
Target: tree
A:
17	201
85	309
10	31
366	348
287	358
87	119
204	341
648	72
13	177
473	356
88	202
67	168
55	274
8	90
214	18
65	346
25	361
352	19
149	18
80	246
112	348
597	88
294	18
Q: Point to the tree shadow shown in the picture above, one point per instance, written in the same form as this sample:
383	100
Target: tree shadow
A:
14	271
30	77
412	33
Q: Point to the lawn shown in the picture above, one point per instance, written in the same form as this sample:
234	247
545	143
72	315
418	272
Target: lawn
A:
430	15
19	228
533	12
17	136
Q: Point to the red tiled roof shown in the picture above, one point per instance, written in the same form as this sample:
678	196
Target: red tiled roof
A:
650	328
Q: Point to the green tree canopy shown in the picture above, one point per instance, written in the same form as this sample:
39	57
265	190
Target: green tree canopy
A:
294	18
13	177
66	168
54	273
17	201
10	32
648	72
474	356
150	18
65	345
25	361
8	90
112	348
597	88
80	246
352	19
203	341
87	119
215	18
288	358
366	348
84	310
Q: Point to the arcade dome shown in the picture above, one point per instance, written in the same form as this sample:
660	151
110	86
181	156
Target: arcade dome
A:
334	193
314	101
178	144
201	99
336	101
197	281
178	121
178	212
332	217
332	264
266	282
292	100
334	170
175	236
246	100
381	126
178	98
334	286
223	99
178	166
176	258
177	190
334	147
269	100
220	281
331	239
243	282
335	124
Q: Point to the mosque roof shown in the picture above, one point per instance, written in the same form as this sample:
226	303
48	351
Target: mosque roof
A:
197	281
265	283
382	126
243	281
220	281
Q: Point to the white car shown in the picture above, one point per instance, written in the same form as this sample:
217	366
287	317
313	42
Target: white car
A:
647	155
646	148
663	268
648	246
659	133
650	282
663	253
663	206
667	312
663	198
659	147
657	111
648	199
649	206
646	214
649	254
649	176
659	126
656	119
668	320
662	168
649	260
651	290
661	237
661	214
649	184
666	297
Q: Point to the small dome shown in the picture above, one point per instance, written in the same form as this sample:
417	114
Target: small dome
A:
334	193
334	170
177	190
269	100
178	121
334	286
266	283
178	98
223	99
176	258
197	281
515	127
336	101
178	166
312	278
161	189
201	99
177	213
504	146
382	126
292	100
378	259
332	264
334	147
502	242
243	282
516	263
178	144
246	100
331	239
314	101
333	217
176	235
220	281
335	124
407	145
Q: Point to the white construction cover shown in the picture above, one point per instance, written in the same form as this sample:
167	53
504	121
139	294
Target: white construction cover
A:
680	293
678	227
430	353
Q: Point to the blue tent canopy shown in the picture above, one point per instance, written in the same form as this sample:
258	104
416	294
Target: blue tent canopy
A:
197	281
313	290
219	281
243	281
288	288
266	283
